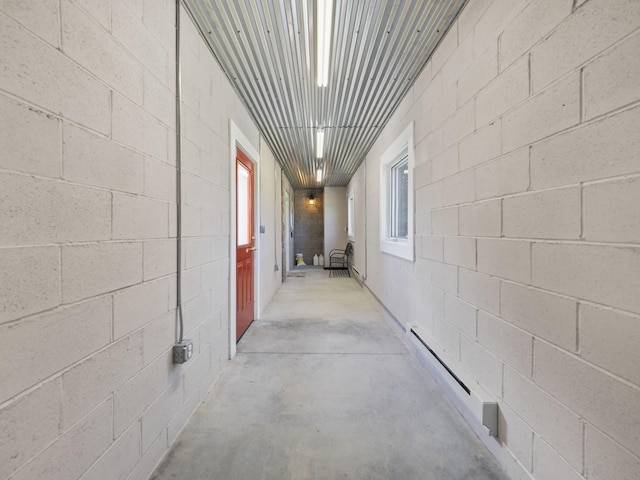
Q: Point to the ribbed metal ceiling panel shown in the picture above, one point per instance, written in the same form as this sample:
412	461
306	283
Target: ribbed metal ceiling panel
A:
267	50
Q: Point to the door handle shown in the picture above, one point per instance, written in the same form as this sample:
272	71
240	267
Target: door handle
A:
252	249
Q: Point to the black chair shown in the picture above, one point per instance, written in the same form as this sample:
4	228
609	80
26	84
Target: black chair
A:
340	259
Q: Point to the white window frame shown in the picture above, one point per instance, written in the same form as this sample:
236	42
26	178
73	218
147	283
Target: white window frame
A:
399	247
351	215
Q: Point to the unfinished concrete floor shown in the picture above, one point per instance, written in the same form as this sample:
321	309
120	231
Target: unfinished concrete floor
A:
322	388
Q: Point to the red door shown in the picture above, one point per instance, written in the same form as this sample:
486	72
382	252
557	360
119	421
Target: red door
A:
245	243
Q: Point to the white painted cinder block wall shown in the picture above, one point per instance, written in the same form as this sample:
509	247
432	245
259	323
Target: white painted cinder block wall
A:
527	187
87	244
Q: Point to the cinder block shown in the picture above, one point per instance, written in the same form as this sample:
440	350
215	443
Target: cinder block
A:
429	197
118	461
136	128
157	417
41	19
447	336
432	247
150	459
611	212
460	314
601	329
433	299
510	344
92	47
470	14
547	417
591	29
137	305
136	217
421	174
484	366
101	12
445	221
128	27
445	277
196	370
604	274
44	76
29	138
504	175
130	400
460	251
610	81
484	144
605	459
599	398
94	160
83	443
549	214
480	290
196	130
478	74
445	164
482	219
445	49
40	211
184	414
548	316
160	19
423	223
159	336
549	465
494	20
531	26
461	124
90	382
30	280
27	425
505	259
549	112
92	269
606	148
516	435
159	100
507	90
39	346
460	188
160	258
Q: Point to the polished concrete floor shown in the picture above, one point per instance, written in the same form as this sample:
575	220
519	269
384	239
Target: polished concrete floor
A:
322	388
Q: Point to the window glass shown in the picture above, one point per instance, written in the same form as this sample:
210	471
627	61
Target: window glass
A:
399	200
243	205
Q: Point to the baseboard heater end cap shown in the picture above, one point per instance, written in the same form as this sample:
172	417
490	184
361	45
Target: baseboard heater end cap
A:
470	396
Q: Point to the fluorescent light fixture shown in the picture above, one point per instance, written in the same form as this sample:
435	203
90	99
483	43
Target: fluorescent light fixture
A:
323	41
319	175
319	143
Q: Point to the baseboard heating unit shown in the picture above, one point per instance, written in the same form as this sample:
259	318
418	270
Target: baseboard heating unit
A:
471	400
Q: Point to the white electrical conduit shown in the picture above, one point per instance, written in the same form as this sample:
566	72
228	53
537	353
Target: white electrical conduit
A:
178	180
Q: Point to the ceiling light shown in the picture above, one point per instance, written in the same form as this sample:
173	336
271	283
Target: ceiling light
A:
319	143
319	175
323	41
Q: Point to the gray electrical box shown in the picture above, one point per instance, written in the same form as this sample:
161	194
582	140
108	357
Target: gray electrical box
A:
182	351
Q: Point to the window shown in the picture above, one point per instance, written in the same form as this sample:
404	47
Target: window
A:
351	210
396	197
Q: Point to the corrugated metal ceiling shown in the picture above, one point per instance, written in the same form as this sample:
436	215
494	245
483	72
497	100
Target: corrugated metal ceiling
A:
267	50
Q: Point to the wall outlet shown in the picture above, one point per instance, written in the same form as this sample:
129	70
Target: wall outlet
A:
182	351
276	267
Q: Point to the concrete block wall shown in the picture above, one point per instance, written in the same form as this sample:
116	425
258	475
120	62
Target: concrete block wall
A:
527	249
88	239
308	231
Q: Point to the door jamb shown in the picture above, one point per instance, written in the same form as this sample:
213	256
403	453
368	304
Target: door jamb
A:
238	140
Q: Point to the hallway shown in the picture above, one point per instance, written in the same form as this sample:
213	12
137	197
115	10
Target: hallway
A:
322	388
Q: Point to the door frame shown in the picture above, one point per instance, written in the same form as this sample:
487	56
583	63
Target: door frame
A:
238	140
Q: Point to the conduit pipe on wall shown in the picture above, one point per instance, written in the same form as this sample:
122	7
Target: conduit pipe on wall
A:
178	180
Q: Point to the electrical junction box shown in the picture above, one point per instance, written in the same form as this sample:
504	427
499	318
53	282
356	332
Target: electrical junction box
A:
182	351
